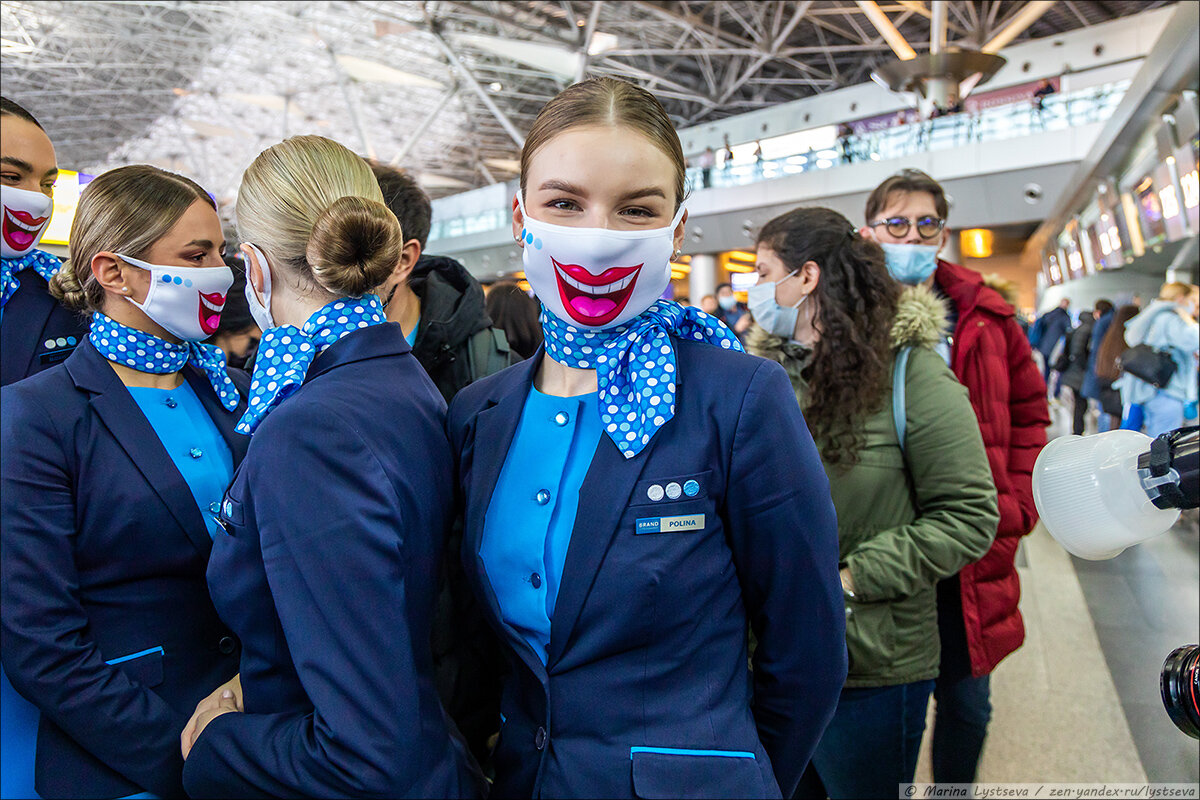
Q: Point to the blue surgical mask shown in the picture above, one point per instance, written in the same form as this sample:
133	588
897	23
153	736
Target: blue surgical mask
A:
774	318
728	303
910	263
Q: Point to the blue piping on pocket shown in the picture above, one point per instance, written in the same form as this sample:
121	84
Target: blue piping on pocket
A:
675	751
132	656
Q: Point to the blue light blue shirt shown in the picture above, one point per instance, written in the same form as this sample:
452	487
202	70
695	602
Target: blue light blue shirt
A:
528	524
411	336
192	440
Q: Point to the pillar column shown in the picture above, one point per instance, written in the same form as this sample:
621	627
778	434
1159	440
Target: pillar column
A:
702	279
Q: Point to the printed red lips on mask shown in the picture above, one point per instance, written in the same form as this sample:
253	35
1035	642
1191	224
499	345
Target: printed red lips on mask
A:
584	302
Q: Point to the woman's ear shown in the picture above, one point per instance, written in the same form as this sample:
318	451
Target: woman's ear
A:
518	221
107	269
810	276
677	238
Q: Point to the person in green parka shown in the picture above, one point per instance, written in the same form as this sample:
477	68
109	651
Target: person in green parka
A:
914	506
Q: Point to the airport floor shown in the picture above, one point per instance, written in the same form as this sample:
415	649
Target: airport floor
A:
1079	701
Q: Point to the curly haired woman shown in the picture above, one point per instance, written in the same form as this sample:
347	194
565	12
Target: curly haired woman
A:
913	506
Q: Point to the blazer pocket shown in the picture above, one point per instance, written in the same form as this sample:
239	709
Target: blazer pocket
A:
669	772
144	667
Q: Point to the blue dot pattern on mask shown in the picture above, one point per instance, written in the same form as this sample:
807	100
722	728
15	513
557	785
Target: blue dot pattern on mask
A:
148	353
42	263
635	365
286	352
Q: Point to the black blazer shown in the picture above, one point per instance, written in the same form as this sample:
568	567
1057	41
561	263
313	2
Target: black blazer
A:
36	332
104	557
646	690
336	522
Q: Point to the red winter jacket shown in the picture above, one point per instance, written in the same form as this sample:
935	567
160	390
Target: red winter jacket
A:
991	357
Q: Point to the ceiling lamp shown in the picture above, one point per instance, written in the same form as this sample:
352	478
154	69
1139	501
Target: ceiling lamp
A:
373	72
431	180
551	58
506	164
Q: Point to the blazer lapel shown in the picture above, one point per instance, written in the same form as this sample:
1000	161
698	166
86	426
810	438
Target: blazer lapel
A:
134	433
603	499
495	427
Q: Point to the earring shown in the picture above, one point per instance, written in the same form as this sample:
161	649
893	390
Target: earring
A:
677	254
125	289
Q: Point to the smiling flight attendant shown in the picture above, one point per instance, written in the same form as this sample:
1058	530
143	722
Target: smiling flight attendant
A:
336	520
113	465
639	492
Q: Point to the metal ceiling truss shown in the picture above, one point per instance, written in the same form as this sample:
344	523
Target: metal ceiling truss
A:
202	87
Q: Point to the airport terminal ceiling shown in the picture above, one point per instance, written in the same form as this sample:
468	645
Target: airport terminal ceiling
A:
444	89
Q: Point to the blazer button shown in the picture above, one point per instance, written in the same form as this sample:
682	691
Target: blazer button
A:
227	645
539	739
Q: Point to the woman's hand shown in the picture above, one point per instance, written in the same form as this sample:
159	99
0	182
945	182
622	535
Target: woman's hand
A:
225	698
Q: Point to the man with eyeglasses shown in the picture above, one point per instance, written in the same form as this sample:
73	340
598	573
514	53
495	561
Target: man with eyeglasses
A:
985	347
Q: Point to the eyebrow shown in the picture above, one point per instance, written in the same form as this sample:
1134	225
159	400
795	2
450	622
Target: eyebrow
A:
27	167
563	186
205	243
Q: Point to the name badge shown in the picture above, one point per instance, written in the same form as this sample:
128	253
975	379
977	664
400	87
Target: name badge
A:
692	522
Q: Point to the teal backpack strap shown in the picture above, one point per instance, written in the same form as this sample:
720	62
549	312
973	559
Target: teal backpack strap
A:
899	406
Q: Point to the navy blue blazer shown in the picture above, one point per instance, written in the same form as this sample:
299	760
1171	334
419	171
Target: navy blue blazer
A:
36	331
107	624
336	522
646	690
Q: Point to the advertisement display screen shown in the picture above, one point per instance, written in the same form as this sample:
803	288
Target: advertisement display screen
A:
1150	212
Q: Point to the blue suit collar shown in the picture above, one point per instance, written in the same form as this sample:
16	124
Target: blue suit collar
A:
376	341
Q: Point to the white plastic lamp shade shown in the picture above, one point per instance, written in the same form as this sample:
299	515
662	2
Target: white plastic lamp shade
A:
1090	497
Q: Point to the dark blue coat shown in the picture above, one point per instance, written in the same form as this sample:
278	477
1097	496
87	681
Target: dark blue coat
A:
646	690
1093	385
104	556
335	523
36	331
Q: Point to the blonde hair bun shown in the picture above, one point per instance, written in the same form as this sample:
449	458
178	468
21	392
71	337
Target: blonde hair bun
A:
354	246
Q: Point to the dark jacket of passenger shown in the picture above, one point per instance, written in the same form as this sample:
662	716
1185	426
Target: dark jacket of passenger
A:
1078	347
107	623
456	343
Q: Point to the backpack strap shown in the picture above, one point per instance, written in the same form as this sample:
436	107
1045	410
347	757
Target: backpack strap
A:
489	353
899	404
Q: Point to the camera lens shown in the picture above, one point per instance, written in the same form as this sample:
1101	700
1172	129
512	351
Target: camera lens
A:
1180	686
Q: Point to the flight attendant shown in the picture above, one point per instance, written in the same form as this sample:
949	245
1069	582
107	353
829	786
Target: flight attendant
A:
335	522
113	466
36	331
639	493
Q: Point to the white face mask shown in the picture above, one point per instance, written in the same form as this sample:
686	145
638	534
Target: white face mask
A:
26	216
186	301
774	318
260	311
596	278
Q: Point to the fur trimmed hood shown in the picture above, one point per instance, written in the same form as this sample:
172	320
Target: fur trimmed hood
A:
921	317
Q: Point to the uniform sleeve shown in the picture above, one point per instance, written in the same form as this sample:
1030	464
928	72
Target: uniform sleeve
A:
334	560
783	532
1029	416
952	486
48	653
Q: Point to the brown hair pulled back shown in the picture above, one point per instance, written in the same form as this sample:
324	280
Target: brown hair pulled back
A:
607	101
125	210
855	306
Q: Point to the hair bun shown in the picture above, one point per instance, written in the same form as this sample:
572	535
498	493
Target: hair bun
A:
66	288
354	246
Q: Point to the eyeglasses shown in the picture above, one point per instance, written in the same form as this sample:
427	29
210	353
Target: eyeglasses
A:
927	227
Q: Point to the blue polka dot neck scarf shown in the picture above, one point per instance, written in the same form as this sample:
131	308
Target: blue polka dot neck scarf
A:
145	352
635	365
285	352
42	263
